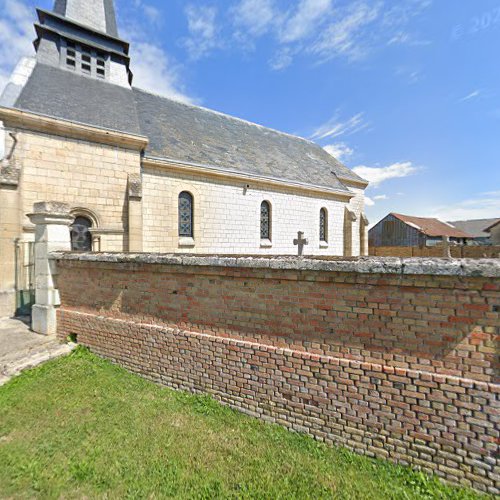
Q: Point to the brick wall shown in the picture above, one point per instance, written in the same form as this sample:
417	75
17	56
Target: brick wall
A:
391	358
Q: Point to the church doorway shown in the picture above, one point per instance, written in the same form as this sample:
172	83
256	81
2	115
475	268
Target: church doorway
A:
81	237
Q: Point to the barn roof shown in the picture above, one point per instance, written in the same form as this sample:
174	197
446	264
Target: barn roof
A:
432	227
478	228
491	226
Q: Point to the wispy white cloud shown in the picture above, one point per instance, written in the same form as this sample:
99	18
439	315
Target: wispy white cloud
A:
372	201
402	12
324	29
255	17
405	38
369	202
309	15
282	59
336	127
472	95
203	31
16	36
346	36
339	150
480	206
378	175
152	13
410	74
155	71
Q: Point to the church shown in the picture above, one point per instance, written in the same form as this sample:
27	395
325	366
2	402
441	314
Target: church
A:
145	173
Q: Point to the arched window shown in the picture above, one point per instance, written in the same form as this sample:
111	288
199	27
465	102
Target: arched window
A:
186	215
323	225
265	221
81	238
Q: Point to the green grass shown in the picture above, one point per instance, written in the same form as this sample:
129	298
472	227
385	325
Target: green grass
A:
79	427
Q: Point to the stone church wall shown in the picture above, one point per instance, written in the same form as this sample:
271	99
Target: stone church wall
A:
394	358
227	216
90	177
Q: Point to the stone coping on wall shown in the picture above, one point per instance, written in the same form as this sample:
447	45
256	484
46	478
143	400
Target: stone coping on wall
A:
470	268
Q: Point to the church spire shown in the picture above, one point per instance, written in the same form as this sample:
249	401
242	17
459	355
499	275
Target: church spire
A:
81	36
96	14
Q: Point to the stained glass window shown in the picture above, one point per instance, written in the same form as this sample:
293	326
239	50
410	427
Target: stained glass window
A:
81	238
323	225
186	214
265	221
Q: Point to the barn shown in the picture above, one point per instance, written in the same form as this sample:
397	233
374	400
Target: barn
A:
397	230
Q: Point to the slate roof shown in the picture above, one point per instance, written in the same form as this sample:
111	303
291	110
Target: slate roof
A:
477	228
182	132
432	227
54	92
197	135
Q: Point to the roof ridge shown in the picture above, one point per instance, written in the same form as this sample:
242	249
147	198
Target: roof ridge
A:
474	220
417	217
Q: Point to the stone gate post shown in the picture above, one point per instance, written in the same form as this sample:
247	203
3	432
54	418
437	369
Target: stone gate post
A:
52	220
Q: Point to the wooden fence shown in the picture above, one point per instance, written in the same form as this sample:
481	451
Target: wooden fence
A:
458	252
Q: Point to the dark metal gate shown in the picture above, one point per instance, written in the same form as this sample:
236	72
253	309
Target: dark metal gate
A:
25	277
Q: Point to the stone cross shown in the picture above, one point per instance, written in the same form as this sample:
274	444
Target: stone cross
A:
301	242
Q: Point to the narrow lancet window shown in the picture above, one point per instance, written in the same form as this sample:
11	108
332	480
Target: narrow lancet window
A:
81	237
186	215
323	225
265	221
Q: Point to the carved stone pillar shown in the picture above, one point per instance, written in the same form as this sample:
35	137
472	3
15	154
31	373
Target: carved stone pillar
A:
363	236
135	213
349	219
52	233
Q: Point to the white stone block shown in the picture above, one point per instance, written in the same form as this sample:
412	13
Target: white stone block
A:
44	320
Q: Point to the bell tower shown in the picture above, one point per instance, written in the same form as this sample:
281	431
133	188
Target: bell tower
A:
81	36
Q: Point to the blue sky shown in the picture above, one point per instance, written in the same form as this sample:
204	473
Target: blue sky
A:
405	92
